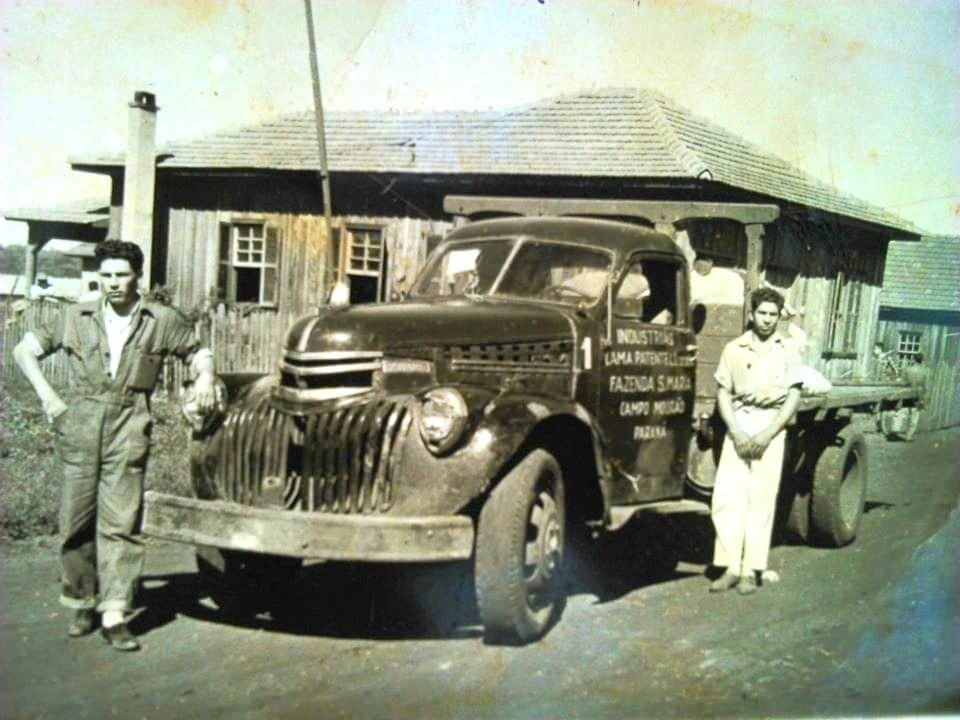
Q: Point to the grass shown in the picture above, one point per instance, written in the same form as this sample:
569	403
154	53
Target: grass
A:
30	474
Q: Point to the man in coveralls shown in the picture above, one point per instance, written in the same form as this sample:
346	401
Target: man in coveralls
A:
758	391
116	347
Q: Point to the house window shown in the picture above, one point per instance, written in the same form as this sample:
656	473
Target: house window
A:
249	263
721	241
844	315
365	263
908	346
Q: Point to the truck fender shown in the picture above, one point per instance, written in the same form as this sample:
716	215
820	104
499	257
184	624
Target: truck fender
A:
499	429
518	418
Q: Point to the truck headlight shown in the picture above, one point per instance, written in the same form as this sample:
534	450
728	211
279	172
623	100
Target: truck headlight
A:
443	418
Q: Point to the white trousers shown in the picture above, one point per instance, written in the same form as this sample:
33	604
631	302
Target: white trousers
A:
745	498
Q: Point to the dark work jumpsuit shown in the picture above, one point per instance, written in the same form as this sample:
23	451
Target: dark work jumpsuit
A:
103	440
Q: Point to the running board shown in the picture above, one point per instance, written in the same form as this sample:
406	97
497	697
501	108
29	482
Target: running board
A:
620	515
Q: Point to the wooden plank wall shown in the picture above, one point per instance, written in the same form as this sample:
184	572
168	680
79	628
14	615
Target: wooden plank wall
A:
943	397
303	250
194	236
940	345
193	256
802	259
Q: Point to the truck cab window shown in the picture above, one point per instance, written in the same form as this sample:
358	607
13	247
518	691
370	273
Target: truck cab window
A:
649	292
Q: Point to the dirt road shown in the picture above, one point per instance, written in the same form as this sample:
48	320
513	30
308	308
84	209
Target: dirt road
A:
866	629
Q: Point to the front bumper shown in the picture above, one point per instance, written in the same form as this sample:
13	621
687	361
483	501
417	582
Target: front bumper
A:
372	538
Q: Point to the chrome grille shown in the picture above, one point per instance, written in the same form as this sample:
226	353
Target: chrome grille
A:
253	446
339	461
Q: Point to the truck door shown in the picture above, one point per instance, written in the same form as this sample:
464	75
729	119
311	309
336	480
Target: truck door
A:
647	380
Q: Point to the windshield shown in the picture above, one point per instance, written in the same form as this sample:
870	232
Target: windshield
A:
534	269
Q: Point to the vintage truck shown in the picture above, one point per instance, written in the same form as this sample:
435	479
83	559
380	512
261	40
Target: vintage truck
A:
539	377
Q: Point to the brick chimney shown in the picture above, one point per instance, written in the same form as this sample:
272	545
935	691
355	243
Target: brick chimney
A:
139	177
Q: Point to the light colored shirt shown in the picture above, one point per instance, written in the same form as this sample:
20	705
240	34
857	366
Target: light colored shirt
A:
156	330
722	285
758	373
118	331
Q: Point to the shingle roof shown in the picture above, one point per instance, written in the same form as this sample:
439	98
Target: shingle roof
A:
923	275
612	132
80	212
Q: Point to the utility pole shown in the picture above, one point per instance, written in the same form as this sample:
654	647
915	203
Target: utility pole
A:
321	141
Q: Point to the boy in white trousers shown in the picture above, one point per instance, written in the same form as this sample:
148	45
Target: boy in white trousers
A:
759	388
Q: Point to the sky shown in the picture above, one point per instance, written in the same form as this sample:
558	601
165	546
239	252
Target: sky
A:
862	94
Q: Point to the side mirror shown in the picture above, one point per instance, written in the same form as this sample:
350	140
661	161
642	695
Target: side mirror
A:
698	317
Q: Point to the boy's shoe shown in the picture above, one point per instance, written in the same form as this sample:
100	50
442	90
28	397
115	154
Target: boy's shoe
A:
120	638
725	582
747	584
83	623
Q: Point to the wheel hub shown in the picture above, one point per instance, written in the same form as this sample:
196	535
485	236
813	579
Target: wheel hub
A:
550	546
545	547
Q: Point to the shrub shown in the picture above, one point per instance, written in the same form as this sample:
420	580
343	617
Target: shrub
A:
30	474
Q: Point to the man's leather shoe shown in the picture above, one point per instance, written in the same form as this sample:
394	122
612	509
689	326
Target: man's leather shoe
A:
120	638
724	582
83	623
747	584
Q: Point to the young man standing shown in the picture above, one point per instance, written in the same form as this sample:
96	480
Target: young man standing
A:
758	392
116	348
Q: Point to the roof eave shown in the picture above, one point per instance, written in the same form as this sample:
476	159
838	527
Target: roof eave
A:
97	167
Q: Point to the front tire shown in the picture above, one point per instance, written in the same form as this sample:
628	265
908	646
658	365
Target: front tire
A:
519	555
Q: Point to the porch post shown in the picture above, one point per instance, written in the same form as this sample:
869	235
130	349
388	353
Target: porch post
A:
754	258
35	242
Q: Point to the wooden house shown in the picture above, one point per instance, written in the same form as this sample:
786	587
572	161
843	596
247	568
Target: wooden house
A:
238	214
920	316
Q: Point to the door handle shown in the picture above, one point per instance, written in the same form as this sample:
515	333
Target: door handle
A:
689	350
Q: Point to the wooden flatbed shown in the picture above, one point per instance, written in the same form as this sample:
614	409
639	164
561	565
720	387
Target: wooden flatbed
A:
841	398
849	397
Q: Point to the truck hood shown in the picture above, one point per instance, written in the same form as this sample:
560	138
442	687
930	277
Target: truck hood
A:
397	326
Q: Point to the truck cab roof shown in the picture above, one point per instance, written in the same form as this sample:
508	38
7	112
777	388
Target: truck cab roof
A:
620	237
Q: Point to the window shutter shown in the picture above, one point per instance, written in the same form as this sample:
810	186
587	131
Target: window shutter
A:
223	266
336	239
271	266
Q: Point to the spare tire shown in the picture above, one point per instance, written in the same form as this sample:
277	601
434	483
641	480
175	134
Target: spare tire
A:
839	489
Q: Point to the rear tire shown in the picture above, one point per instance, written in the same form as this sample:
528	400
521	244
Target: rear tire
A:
242	583
519	555
839	489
